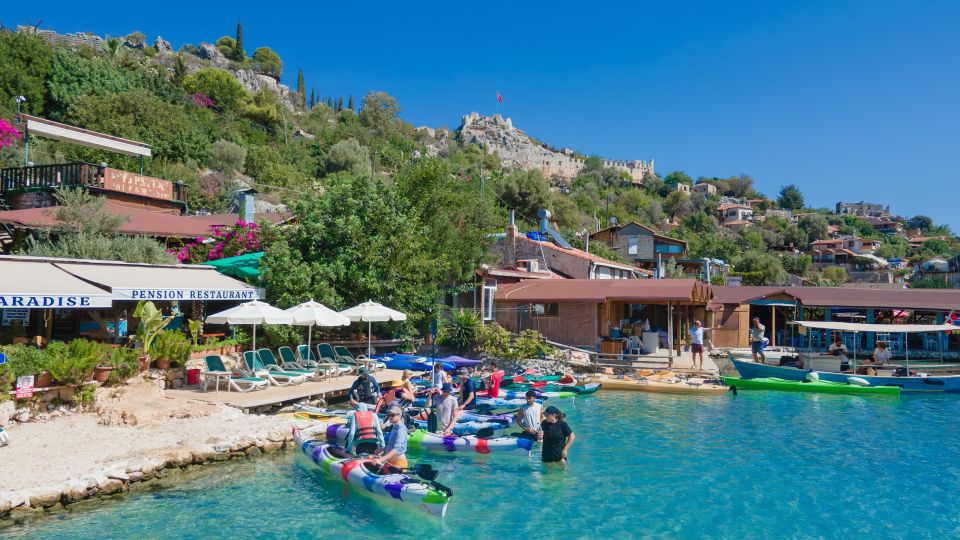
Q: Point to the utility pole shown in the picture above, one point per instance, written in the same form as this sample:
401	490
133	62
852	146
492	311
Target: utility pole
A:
480	165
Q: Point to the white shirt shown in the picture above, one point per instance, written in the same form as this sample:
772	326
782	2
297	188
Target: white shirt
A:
842	348
696	335
882	355
756	332
445	411
531	416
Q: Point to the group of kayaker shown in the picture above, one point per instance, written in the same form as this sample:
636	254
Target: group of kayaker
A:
366	431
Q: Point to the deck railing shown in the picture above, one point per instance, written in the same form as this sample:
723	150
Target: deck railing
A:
62	175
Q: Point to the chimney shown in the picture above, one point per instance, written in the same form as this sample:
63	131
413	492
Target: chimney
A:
246	200
511	242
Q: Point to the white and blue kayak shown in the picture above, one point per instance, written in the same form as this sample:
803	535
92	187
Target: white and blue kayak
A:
469	428
385	481
421	439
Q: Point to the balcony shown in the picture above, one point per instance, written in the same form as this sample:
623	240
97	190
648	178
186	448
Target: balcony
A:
92	177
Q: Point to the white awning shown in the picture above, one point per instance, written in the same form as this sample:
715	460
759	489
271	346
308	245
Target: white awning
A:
38	285
148	282
84	137
887	328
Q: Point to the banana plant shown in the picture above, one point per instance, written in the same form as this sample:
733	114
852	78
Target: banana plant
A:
195	325
152	322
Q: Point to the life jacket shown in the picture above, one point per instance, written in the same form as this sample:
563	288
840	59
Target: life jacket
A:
366	391
364	424
387	399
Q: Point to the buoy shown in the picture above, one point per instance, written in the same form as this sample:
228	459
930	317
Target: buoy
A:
813	376
858	381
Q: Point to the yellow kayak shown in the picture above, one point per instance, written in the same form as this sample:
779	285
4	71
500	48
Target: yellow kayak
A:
663	382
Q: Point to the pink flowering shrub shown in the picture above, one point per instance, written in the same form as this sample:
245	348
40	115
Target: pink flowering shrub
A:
202	100
240	239
8	133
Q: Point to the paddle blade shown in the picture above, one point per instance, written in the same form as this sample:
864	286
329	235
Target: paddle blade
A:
486	432
425	471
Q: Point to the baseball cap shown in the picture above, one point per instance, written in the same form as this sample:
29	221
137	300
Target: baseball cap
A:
531	393
551	410
394	410
446	388
362	371
463	371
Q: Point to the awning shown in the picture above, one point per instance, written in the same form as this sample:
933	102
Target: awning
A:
38	285
149	282
242	266
887	328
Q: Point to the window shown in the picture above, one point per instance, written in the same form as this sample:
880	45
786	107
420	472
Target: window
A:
669	248
489	291
633	245
551	309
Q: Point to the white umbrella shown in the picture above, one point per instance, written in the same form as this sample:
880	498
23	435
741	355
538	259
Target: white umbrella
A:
314	313
254	313
372	312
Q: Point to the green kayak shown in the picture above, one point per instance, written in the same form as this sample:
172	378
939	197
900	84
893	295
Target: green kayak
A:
822	387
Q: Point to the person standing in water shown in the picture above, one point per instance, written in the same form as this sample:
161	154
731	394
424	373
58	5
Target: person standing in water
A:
557	436
493	383
756	341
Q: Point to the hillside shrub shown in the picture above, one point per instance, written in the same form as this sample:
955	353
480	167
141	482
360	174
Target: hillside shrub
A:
226	156
220	86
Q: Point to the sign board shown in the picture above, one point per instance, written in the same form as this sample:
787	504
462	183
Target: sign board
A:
30	301
3	358
19	314
25	387
136	184
246	294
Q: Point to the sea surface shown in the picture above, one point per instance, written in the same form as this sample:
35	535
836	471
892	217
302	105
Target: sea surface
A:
757	465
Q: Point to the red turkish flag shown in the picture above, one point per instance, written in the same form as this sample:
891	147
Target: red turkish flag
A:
499	97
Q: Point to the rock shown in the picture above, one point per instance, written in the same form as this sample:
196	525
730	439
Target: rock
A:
23	415
5	506
8	409
271	446
136	476
51	406
90	483
213	55
177	384
111	486
119	475
75	491
254	82
45	497
16	498
253	451
184	458
42	417
162	46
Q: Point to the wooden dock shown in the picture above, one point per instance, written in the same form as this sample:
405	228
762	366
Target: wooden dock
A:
280	395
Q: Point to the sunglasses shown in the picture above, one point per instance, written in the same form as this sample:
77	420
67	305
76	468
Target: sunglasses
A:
391	415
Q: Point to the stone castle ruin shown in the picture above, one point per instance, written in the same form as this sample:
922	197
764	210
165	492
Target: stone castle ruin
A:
517	150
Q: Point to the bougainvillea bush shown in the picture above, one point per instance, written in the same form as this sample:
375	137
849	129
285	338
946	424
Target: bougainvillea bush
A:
240	239
8	133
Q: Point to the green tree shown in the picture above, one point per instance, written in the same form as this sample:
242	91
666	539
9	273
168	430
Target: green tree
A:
226	45
350	103
790	198
270	168
313	97
832	276
760	268
816	227
677	177
179	69
924	223
301	89
936	247
220	86
930	282
26	62
797	264
349	155
380	114
269	63
226	156
238	53
525	191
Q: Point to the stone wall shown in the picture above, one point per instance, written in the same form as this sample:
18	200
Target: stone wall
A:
517	150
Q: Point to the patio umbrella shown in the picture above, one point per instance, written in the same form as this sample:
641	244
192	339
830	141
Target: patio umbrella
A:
314	313
372	312
254	313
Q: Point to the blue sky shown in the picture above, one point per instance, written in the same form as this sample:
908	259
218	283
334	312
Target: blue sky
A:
849	100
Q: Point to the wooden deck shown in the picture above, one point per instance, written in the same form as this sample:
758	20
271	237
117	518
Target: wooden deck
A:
277	395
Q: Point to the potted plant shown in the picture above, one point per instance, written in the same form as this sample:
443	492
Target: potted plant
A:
170	347
30	361
152	322
74	363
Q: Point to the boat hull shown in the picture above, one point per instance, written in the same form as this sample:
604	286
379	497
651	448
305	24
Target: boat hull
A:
424	440
816	387
660	387
943	384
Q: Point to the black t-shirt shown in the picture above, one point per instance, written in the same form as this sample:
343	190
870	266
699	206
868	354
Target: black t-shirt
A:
555	435
466	389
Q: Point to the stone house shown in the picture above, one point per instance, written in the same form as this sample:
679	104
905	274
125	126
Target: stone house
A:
640	244
732	212
705	189
863	209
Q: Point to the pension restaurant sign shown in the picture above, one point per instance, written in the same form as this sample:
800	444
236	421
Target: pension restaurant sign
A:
185	294
137	184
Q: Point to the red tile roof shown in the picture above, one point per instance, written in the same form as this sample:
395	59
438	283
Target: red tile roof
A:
161	223
650	291
918	299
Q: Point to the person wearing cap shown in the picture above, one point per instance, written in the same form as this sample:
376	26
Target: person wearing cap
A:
756	341
557	436
395	451
364	390
468	392
529	417
446	410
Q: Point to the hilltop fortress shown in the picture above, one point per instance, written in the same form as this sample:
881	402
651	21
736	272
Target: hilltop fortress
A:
517	150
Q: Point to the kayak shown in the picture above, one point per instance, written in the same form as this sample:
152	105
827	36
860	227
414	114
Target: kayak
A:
522	394
489	402
662	385
465	416
412	362
386	481
584	390
538	378
421	439
822	387
469	428
460	361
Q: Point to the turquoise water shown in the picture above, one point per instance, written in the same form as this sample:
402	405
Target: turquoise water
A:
758	465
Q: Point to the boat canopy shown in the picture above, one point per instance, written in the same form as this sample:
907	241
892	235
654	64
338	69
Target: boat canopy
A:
888	328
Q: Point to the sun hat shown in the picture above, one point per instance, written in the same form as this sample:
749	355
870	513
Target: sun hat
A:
394	410
551	410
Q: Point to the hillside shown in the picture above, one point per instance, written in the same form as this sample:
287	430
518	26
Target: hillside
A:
218	117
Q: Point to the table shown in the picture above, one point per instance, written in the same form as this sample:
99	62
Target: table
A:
217	376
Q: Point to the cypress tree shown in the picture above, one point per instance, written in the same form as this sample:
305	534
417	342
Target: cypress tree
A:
238	52
340	104
330	103
313	97
301	88
350	103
